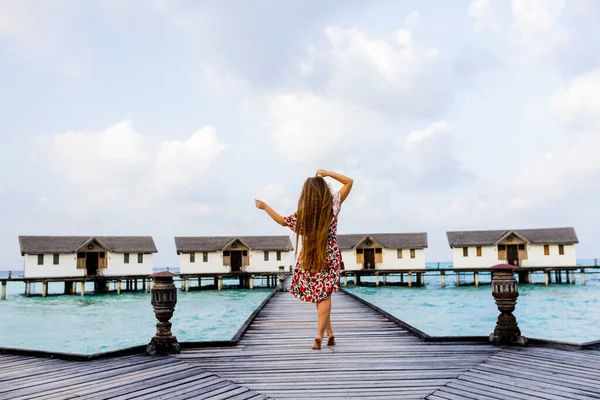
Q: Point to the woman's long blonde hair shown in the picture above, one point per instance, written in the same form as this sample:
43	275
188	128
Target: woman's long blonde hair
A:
315	213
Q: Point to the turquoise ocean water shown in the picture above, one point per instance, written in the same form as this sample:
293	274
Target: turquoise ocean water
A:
562	312
103	322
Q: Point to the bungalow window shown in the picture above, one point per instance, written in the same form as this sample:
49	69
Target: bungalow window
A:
266	256
546	250
40	259
55	259
126	258
226	258
140	258
501	252
412	253
465	252
399	253
478	251
192	257
205	256
561	249
279	256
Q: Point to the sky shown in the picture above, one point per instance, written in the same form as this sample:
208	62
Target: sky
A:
167	118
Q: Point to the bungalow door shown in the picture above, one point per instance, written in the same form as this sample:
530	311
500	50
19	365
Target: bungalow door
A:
236	261
91	264
512	254
369	259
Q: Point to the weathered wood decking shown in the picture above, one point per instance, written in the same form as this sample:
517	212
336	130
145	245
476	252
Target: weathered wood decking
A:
374	359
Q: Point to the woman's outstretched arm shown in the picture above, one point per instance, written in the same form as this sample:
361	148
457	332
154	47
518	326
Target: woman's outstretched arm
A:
344	180
261	205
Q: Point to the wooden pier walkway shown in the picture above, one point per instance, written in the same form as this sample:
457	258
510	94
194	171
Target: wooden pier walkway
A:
374	359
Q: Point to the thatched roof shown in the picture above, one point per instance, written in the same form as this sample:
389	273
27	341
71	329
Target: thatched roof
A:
387	240
533	236
70	244
217	243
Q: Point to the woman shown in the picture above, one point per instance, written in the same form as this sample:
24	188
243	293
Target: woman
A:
317	270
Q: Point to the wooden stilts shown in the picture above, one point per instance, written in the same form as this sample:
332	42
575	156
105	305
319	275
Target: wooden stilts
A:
457	278
476	278
3	290
251	282
118	287
582	276
546	278
529	277
219	283
443	274
401	277
572	277
135	283
409	280
199	283
144	284
82	288
73	288
422	280
268	281
27	289
377	279
385	279
345	280
149	287
187	284
44	288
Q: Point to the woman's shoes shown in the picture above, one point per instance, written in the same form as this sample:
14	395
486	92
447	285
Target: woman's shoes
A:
317	344
331	340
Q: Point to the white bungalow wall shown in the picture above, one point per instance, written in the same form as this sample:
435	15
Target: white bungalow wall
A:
67	266
116	265
214	264
390	260
535	257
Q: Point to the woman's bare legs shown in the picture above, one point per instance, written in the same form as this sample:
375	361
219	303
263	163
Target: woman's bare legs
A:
324	319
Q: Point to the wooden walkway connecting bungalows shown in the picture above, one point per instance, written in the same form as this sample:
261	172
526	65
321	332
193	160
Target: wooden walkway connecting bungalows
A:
374	359
416	276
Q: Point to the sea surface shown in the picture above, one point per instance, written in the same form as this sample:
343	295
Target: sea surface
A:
103	322
562	312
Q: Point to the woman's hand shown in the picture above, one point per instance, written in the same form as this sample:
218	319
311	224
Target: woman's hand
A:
261	205
322	173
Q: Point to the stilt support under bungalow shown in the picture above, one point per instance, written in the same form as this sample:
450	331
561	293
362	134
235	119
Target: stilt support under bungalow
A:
3	290
422	280
144	285
457	278
251	282
82	288
443	274
582	276
135	283
573	277
409	279
377	279
401	277
220	283
119	287
385	279
44	288
529	277
187	284
546	278
345	280
27	289
476	278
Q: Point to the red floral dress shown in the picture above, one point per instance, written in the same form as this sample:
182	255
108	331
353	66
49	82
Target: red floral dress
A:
316	287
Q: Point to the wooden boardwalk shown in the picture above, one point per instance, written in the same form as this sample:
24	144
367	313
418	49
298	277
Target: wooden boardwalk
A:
374	359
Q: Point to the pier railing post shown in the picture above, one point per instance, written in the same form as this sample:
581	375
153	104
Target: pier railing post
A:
3	290
164	299
281	277
505	290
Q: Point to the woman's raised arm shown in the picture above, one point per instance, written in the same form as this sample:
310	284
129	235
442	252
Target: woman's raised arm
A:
261	205
344	180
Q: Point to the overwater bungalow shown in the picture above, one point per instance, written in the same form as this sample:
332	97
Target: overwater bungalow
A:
553	247
86	256
383	251
231	254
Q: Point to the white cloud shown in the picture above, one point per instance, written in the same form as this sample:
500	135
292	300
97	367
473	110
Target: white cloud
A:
536	23
306	127
43	200
3	191
417	138
99	156
578	104
482	13
185	163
